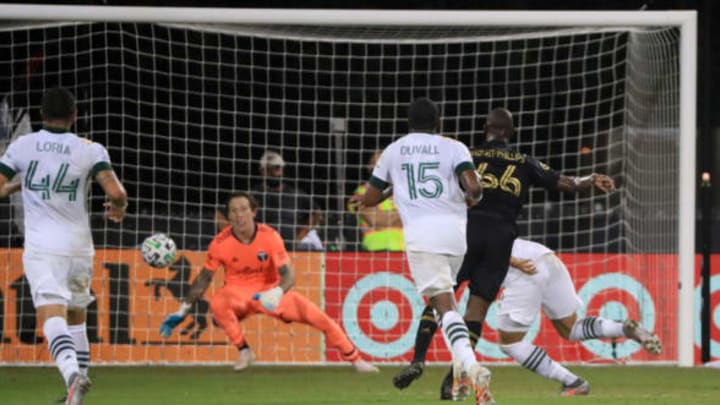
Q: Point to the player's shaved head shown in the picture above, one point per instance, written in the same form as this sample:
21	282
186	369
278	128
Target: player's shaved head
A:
499	125
423	116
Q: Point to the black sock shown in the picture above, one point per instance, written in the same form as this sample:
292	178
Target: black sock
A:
426	331
243	346
475	329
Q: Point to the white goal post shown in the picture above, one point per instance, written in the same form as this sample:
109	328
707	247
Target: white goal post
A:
684	21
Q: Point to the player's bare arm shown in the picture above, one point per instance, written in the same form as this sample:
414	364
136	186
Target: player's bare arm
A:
199	285
470	182
372	197
570	184
115	192
8	187
527	266
287	277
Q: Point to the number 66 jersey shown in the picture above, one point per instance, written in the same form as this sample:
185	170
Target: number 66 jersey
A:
506	177
55	169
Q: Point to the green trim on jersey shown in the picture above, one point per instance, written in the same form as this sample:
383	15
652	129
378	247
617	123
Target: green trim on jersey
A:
56	130
464	166
99	166
378	183
6	171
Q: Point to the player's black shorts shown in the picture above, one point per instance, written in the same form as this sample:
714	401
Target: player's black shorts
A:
489	246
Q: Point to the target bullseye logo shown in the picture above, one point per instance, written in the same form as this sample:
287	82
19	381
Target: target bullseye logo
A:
369	322
627	288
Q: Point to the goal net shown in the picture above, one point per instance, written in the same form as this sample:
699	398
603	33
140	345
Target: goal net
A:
187	111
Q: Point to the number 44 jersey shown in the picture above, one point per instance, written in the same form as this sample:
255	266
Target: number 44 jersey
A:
506	177
55	168
423	170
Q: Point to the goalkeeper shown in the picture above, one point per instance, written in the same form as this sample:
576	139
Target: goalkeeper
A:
258	278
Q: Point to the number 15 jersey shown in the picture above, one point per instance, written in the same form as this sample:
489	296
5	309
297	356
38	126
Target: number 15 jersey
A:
423	169
55	169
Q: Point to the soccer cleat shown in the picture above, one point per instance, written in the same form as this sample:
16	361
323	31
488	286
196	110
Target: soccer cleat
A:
79	386
362	366
461	383
446	387
246	359
577	388
407	375
648	340
480	377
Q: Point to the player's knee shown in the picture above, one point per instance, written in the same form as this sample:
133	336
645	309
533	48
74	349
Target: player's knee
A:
510	330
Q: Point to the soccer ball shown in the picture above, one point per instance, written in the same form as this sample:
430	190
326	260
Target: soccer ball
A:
159	250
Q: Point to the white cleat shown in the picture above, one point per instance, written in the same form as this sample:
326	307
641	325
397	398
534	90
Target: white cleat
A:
79	386
462	383
648	340
480	377
362	366
246	359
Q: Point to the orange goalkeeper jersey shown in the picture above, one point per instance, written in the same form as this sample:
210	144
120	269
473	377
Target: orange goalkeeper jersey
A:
250	266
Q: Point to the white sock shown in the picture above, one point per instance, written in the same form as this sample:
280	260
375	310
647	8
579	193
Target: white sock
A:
596	327
537	360
62	347
82	346
457	336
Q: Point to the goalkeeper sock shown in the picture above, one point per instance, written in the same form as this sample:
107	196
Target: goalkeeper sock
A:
456	335
82	346
596	327
425	333
62	347
537	360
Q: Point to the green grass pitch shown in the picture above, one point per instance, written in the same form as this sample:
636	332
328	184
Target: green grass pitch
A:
341	385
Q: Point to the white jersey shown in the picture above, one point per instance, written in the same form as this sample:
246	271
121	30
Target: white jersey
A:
55	169
528	250
423	169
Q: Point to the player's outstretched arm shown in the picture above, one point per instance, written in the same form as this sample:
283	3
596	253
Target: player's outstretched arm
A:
115	192
198	287
570	184
270	299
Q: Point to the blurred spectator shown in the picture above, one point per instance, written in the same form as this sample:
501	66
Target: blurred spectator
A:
289	210
381	224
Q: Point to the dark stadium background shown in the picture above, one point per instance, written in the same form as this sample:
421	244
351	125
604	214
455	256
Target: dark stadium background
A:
242	167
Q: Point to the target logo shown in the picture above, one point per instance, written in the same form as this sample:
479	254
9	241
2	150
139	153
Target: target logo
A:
616	296
372	314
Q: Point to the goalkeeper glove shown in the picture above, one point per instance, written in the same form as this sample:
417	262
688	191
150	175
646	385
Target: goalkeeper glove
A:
270	298
174	319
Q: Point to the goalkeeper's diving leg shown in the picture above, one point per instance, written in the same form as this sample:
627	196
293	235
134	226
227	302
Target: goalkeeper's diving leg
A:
296	308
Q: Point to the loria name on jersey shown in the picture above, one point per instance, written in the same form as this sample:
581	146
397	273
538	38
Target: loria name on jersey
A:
419	149
56	147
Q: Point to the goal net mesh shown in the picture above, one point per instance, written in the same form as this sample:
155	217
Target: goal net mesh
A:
187	111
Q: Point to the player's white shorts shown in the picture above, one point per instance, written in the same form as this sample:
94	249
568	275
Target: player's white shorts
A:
523	295
59	280
433	273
